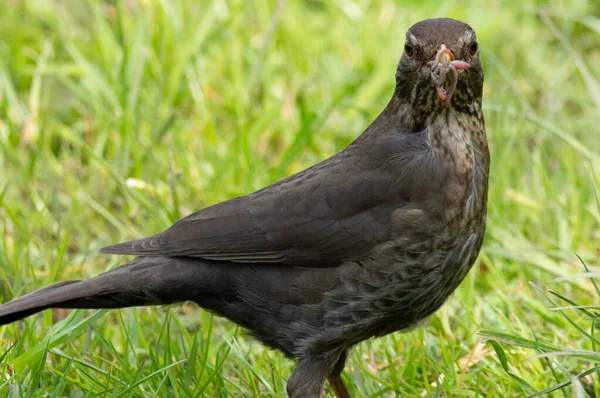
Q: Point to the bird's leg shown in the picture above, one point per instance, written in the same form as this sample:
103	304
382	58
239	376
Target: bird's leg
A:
335	378
308	378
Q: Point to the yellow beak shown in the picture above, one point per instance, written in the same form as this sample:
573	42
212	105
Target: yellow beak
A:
444	56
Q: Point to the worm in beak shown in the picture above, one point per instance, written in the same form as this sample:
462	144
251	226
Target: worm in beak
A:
444	72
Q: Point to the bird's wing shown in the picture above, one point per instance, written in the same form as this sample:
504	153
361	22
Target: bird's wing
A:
335	211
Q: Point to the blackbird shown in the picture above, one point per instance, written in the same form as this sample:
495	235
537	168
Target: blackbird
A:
370	241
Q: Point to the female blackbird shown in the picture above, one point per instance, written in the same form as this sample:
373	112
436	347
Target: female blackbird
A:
368	242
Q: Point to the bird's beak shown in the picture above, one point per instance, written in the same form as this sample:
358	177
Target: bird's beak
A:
444	71
444	56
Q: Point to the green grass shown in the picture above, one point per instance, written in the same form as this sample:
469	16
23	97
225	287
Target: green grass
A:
117	119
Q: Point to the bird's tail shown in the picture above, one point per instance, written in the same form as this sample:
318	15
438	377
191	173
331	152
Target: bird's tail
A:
144	281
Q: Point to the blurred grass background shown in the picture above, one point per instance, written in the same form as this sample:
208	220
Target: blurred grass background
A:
117	118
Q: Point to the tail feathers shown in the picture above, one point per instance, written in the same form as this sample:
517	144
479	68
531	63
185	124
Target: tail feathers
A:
144	281
29	304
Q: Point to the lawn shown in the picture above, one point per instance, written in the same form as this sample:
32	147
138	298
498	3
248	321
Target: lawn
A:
118	118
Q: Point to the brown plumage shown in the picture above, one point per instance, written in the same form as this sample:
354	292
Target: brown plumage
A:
368	242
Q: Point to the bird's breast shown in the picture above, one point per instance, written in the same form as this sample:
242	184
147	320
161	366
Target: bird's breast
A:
458	142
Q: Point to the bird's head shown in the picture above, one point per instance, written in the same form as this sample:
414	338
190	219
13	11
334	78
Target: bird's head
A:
440	67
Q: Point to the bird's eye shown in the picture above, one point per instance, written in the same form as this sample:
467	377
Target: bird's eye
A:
409	50
474	48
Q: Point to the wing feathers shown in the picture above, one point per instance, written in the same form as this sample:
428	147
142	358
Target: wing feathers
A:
335	211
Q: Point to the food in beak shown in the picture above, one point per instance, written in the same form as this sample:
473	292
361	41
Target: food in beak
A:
444	69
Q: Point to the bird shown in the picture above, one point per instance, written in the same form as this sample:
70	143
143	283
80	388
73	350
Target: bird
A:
370	241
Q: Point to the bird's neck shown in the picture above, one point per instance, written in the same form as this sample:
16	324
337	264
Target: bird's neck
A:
414	112
458	128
